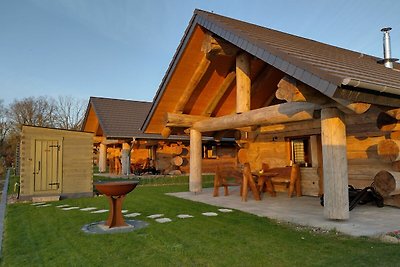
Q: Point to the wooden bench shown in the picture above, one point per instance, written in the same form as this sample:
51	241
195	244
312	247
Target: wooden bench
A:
289	177
227	176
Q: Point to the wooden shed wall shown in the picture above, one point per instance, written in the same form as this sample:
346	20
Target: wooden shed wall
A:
76	161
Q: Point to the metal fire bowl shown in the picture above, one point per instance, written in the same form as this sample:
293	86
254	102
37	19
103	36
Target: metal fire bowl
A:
117	188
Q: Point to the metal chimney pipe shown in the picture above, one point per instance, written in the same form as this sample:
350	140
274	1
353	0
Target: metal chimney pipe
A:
387	57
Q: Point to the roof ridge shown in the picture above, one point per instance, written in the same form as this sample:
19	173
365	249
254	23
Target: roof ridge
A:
199	12
119	99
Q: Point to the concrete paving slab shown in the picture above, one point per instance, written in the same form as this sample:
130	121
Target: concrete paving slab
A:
365	220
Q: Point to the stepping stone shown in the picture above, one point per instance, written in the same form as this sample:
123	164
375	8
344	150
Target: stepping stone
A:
184	216
45	205
131	215
210	214
124	211
99	211
70	208
225	210
88	209
38	203
154	216
163	220
62	206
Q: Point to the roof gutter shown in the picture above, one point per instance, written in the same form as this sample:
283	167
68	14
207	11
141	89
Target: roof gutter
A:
371	86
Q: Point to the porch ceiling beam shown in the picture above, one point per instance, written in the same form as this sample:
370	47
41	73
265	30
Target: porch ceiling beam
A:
292	91
281	113
226	84
192	84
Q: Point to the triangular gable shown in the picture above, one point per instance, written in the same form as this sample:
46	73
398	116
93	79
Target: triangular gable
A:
333	71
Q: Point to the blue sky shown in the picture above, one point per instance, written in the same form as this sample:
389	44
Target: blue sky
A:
121	48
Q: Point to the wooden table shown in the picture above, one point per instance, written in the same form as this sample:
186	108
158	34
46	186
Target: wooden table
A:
265	178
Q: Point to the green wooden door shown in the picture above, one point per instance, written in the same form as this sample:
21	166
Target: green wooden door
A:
47	169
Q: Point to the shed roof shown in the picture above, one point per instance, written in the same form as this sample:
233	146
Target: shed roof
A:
334	71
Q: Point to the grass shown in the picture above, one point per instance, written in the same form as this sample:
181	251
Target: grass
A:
49	236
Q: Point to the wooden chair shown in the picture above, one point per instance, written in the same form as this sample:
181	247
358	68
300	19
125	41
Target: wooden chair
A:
221	179
289	177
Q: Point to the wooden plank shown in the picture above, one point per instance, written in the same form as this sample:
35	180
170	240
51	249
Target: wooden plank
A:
335	173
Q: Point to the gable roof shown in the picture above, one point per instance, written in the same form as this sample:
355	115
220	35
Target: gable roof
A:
334	71
119	118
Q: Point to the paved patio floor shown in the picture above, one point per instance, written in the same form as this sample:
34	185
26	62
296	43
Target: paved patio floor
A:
365	220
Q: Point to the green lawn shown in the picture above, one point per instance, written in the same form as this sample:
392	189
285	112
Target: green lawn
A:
48	236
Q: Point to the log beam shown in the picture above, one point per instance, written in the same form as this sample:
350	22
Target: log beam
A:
226	84
192	84
281	113
181	120
292	91
335	172
195	161
243	83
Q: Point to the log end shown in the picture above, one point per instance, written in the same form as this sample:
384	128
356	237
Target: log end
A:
385	183
388	149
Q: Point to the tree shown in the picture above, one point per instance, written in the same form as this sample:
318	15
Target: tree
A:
35	111
69	113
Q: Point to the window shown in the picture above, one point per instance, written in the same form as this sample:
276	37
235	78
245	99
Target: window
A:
300	151
209	151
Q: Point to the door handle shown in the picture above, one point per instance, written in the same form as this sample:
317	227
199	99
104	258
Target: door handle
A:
38	168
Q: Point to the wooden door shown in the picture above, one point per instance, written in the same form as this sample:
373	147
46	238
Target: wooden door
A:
47	168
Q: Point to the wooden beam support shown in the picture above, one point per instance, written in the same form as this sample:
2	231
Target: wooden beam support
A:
103	158
166	132
243	83
126	159
281	113
293	91
181	120
226	84
214	46
192	84
335	172
195	162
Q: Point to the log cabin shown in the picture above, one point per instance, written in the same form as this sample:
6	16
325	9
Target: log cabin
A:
124	148
286	99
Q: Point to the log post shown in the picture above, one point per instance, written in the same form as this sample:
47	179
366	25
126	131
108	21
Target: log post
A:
126	159
335	172
387	183
243	83
195	161
102	158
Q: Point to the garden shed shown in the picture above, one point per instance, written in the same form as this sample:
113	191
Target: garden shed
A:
55	163
332	111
